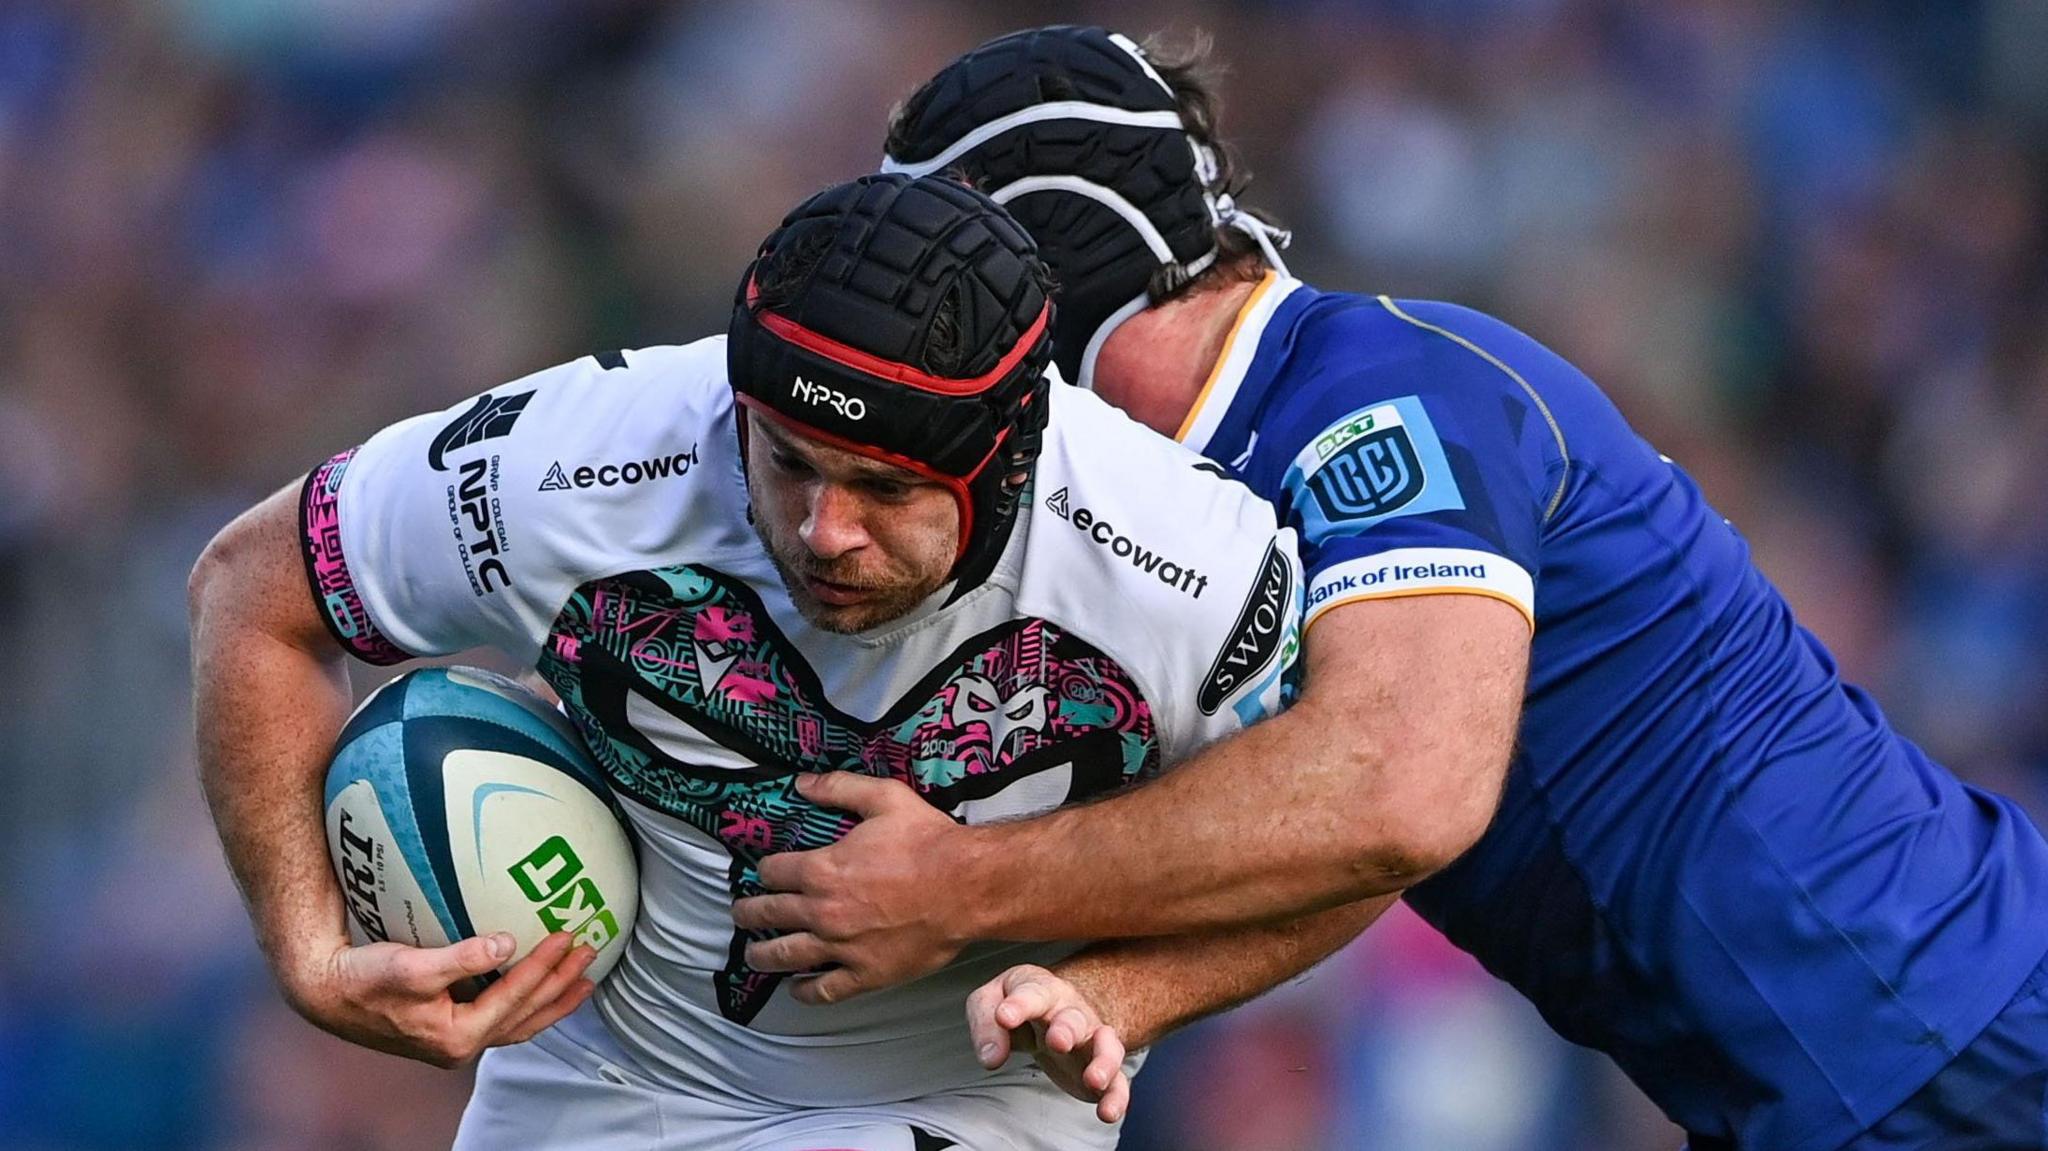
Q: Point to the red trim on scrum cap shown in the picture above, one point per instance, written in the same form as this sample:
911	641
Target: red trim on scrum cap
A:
848	356
957	485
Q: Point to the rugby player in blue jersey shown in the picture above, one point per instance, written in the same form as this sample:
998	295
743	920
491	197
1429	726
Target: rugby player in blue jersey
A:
1548	697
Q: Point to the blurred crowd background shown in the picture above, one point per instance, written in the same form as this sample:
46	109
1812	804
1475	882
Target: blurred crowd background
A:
1802	244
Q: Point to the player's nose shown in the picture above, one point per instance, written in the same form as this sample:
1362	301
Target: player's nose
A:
835	522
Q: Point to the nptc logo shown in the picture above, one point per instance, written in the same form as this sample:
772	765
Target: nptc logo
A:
487	419
1371	474
552	876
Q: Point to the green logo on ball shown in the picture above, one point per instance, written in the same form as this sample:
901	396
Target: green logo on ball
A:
552	876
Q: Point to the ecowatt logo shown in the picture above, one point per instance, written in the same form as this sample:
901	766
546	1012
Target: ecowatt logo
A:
631	472
1152	563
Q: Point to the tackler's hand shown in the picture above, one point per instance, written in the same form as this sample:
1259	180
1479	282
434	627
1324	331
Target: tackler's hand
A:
877	908
1030	1009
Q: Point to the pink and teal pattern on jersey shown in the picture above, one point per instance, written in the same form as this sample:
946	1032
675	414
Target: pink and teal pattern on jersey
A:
1015	702
334	590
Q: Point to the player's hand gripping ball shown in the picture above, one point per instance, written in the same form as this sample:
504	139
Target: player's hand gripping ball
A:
459	803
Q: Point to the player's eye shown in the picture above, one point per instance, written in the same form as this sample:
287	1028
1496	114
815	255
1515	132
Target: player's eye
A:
887	491
789	463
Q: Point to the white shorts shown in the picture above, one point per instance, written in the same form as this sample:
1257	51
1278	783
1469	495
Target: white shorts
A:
573	1089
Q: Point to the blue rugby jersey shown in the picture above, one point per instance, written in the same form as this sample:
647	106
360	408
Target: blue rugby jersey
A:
1713	860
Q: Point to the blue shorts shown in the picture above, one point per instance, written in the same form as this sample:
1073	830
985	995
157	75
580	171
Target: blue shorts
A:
1991	1097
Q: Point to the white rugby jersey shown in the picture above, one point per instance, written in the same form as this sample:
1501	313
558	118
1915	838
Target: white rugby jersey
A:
592	518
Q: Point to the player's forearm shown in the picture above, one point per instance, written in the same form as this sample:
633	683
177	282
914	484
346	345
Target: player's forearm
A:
266	711
1388	768
1278	822
1149	988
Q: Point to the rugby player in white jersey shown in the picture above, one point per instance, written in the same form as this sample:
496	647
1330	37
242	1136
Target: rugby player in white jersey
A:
860	533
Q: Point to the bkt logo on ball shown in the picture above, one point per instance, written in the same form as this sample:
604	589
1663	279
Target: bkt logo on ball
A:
568	900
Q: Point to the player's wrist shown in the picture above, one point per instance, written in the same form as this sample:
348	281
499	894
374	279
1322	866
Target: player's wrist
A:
307	971
977	860
1097	981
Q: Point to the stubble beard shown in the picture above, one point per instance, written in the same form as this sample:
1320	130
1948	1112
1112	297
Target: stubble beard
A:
883	606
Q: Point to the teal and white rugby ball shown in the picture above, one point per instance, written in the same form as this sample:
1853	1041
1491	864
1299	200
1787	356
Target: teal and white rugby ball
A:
459	803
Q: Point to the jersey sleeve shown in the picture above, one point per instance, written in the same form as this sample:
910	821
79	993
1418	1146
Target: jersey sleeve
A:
329	572
406	535
470	527
1426	470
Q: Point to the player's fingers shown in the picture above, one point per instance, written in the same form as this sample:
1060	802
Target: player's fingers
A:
1025	1002
1107	1061
863	795
1068	1029
789	871
1116	1100
831	987
511	996
431	970
557	982
779	912
799	952
1015	977
991	1039
564	1006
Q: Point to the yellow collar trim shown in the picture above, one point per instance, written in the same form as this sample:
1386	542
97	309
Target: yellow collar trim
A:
1244	312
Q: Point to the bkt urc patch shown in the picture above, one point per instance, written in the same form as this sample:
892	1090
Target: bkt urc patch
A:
1374	464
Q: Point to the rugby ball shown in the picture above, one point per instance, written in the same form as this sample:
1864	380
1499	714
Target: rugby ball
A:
459	803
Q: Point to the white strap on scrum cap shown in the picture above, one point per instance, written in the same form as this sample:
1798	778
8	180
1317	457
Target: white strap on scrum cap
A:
1269	238
1136	53
1224	212
1036	114
1084	376
1105	196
